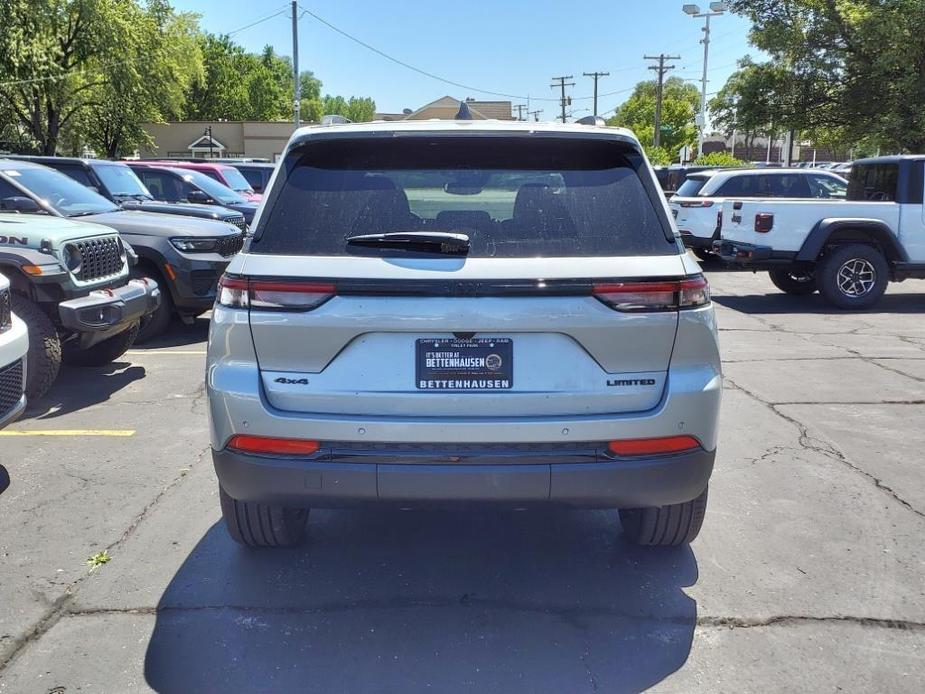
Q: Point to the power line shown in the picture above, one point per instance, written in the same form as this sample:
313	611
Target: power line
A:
258	21
421	71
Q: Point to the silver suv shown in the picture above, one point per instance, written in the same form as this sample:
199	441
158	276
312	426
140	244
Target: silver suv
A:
463	312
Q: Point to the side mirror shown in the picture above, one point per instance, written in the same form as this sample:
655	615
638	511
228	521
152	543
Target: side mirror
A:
20	203
4	479
198	196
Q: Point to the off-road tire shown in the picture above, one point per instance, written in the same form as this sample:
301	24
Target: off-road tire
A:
829	278
793	283
664	526
43	361
158	321
262	525
103	352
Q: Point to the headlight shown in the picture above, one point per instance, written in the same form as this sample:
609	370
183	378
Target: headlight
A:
195	245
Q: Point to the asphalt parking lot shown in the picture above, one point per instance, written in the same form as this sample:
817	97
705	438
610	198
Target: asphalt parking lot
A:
809	573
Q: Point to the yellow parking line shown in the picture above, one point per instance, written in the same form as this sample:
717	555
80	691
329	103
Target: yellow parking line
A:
166	351
69	432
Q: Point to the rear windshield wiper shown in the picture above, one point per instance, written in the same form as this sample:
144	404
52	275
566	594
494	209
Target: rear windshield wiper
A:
420	241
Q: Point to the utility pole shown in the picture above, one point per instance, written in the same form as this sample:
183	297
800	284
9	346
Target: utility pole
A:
297	83
562	84
716	9
520	110
661	69
596	76
535	114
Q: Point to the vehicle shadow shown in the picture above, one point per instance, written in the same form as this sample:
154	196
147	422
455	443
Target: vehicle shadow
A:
80	387
784	303
406	601
179	335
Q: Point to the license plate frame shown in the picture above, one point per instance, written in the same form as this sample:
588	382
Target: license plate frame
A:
459	365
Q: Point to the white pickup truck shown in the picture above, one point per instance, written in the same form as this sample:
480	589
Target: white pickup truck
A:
847	249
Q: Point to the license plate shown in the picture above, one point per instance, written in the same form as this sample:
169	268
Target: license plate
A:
478	364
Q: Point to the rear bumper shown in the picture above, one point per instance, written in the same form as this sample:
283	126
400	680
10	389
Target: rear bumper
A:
333	478
699	242
105	310
738	252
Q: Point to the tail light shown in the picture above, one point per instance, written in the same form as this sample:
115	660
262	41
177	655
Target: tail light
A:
695	203
272	295
719	221
654	296
764	222
656	446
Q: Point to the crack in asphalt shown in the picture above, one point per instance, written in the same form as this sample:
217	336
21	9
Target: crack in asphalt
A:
59	606
811	443
565	612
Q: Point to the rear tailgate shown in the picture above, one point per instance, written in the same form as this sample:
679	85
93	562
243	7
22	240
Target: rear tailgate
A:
561	350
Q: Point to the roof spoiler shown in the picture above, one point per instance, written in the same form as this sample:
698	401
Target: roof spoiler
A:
334	119
591	120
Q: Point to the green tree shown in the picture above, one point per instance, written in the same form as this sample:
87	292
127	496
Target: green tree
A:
718	159
854	65
358	109
55	56
150	86
680	104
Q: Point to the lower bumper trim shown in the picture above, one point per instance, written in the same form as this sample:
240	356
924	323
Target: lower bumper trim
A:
626	483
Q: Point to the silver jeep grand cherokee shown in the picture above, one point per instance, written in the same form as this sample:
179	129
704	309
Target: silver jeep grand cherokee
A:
463	312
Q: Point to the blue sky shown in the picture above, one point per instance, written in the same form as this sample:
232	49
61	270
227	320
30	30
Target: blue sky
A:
510	46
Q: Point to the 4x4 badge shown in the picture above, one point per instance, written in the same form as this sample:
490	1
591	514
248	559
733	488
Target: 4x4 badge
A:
291	381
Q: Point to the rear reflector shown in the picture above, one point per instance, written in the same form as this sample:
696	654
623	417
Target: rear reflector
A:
272	446
654	296
659	446
272	295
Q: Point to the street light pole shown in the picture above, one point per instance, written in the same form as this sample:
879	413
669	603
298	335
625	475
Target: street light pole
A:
716	9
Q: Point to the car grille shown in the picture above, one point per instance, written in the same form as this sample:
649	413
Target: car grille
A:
229	245
99	258
6	309
238	222
11	386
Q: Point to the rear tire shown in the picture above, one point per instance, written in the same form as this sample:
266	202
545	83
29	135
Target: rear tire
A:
262	525
158	321
103	352
43	360
794	283
853	277
665	526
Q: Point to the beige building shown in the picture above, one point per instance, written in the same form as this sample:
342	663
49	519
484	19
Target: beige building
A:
256	139
266	140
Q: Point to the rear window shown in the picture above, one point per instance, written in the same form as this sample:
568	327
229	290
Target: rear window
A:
876	182
692	186
511	197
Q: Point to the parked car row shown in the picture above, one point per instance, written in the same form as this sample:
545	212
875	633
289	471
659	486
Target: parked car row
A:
811	229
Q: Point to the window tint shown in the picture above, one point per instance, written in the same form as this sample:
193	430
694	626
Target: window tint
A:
692	186
78	173
745	186
163	186
789	186
826	186
8	191
875	182
513	198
